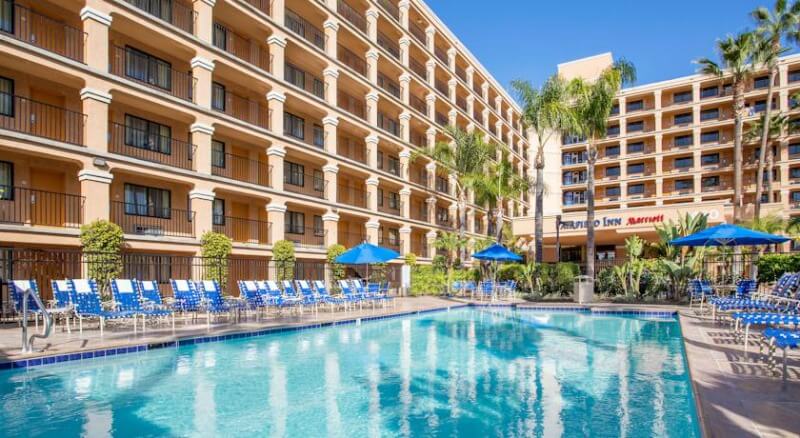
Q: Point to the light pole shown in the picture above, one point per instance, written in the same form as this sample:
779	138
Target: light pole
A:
558	238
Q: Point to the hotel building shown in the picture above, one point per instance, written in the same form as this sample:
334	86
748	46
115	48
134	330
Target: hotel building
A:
669	151
261	119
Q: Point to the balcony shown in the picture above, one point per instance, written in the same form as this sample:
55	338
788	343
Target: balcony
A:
240	168
127	62
419	246
390	46
175	13
350	239
350	14
350	59
352	149
305	29
241	47
305	237
389	85
304	81
243	230
352	105
418	175
462	103
40	119
261	5
444	221
417	32
461	73
419	211
309	185
146	220
41	31
240	108
418	68
390	242
441	86
351	196
148	146
441	119
441	54
391	8
390	205
24	206
388	124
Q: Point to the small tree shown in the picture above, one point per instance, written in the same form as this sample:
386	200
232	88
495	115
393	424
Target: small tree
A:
102	244
337	269
215	248
283	256
411	259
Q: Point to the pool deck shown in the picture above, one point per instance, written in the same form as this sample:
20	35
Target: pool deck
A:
736	396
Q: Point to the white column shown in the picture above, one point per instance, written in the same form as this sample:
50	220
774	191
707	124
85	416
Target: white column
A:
331	28
330	171
203	72
277	50
372	192
330	124
331	75
405	88
372	65
430	99
372	24
275	103
431	134
404	42
430	70
372	150
405	240
405	126
372	108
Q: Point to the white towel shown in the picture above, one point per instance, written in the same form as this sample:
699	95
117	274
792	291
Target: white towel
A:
62	285
182	285
148	285
23	285
272	285
250	285
209	286
82	286
124	286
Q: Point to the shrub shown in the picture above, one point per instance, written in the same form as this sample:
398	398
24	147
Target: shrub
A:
377	273
511	271
426	280
772	266
215	249
411	259
439	263
337	269
102	244
283	256
607	282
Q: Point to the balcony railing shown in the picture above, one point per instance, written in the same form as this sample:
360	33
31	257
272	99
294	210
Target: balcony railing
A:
241	47
418	104
261	5
350	14
389	85
441	54
442	119
391	8
144	220
243	109
24	206
420	247
444	222
461	73
388	124
419	211
352	196
462	103
350	59
418	68
417	139
390	46
442	87
418	175
305	237
148	146
478	116
41	31
350	239
389	242
390	205
40	119
137	66
240	168
304	184
351	105
351	149
243	230
175	13
304	81
417	32
305	29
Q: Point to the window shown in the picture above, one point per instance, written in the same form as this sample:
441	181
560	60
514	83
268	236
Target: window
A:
612	191
709	114
146	68
795	197
707	92
709	159
684	184
295	223
612	171
568	158
218	154
6	97
441	184
727	89
615	109
294	173
394	236
611	151
606	252
635	126
218	210
794	172
295	76
710	181
683	119
394	200
319	181
636	189
319	228
684	140
794	149
636	148
319	136
161	9
760	105
684	162
441	214
574	177
613	130
573	198
572	139
294	126
636	105
635	168
144	134
761	82
709	137
794	76
147	201
682	97
6	181
7	16
218	96
220	37
394	165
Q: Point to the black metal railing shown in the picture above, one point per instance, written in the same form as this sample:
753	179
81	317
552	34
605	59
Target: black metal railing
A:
417	32
242	108
352	105
351	239
352	149
390	205
389	45
305	29
148	146
41	119
419	211
390	242
25	206
304	80
351	196
145	220
389	85
243	230
305	237
152	72
350	59
441	54
418	104
419	247
261	5
240	168
311	185
418	68
174	12
391	8
241	47
350	14
388	124
41	31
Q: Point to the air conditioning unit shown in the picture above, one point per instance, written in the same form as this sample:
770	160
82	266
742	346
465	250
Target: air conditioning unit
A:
148	230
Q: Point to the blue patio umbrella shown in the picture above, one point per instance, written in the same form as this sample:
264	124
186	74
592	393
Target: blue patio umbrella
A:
497	253
365	254
728	235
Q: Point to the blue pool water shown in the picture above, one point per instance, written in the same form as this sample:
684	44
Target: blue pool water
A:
466	372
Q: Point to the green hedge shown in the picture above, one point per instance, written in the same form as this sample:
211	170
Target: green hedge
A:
772	266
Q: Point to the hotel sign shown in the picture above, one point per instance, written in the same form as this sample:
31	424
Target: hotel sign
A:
613	221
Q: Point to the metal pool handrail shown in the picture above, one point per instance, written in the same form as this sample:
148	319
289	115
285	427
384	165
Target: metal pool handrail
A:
27	342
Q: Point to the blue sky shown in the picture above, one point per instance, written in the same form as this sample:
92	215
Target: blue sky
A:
528	38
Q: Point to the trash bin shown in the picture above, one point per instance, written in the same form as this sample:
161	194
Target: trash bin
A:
583	290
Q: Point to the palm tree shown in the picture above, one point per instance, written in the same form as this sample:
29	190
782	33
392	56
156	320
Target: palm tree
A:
736	59
773	27
777	125
592	103
500	184
465	158
546	111
451	243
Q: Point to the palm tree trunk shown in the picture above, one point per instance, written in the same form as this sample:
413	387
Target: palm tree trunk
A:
762	153
592	157
770	175
498	221
462	226
539	214
738	107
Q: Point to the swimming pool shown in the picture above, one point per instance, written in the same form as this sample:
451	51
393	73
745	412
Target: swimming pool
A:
466	372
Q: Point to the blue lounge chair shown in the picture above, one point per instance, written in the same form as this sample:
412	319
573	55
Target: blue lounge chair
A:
774	338
309	298
253	297
62	301
213	303
349	294
151	295
127	298
469	287
326	297
17	289
771	302
282	298
699	289
187	298
270	293
485	289
86	298
746	287
457	287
